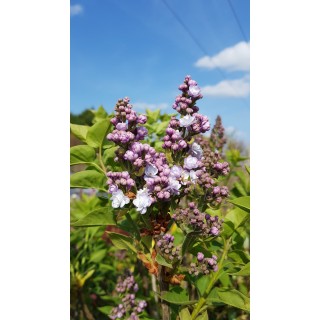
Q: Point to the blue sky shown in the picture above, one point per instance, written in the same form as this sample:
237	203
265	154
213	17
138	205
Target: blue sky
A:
143	50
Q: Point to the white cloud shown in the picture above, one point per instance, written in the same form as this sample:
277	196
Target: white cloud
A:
76	9
233	132
228	88
144	106
236	58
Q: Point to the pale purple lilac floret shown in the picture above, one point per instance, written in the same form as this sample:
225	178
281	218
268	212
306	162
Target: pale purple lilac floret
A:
142	201
196	150
119	200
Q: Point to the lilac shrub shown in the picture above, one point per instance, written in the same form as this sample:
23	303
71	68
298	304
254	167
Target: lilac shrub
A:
156	192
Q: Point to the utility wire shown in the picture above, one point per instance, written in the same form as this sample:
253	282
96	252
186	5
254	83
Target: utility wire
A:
196	41
237	19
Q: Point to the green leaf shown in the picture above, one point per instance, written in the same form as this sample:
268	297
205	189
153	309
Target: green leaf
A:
88	179
99	217
106	309
231	297
79	131
184	314
239	256
248	169
239	187
245	271
190	239
202	284
238	217
122	242
177	295
161	127
97	256
161	260
242	202
153	116
109	155
99	114
82	154
97	133
203	316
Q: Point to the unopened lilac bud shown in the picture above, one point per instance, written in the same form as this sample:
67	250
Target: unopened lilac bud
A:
121	126
142	119
192	205
200	256
214	231
211	261
216	190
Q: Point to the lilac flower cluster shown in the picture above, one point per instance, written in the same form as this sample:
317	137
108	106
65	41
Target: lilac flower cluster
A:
191	217
212	159
124	132
217	135
173	139
118	180
166	247
129	303
128	284
179	132
159	183
185	103
203	265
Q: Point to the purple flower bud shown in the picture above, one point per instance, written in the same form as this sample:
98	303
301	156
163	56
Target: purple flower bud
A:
216	190
121	126
200	256
142	119
214	231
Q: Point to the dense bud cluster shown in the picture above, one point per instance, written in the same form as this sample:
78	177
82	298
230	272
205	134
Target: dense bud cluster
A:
124	132
129	306
203	265
185	103
118	180
217	135
166	247
191	217
179	132
212	159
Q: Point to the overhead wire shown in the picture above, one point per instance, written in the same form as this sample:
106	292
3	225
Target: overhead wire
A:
184	26
237	20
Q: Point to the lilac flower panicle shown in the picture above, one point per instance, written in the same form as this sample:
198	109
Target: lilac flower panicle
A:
203	265
191	217
129	305
166	247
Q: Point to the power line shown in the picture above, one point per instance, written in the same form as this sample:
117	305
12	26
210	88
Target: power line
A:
238	21
186	28
196	41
